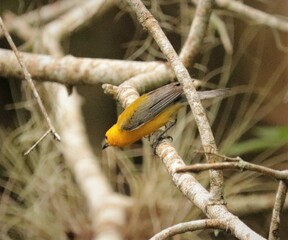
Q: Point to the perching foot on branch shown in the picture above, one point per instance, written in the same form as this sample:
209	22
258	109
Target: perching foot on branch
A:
160	135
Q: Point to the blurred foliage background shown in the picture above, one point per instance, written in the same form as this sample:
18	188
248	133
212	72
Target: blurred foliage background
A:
39	197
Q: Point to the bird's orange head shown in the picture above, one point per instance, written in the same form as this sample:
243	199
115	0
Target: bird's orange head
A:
115	137
111	137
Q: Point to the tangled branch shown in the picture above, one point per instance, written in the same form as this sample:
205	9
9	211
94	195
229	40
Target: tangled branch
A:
62	18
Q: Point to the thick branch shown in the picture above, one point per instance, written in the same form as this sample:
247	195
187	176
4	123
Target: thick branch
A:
106	208
71	70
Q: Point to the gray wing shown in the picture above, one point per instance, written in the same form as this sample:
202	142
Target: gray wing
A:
159	99
163	97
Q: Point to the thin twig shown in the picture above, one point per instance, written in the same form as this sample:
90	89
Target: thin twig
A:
37	142
224	157
237	163
30	82
278	207
189	227
150	23
241	165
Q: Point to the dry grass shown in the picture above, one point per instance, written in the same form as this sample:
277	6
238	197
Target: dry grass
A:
40	199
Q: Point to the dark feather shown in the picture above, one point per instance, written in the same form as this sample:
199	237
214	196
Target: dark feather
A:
159	99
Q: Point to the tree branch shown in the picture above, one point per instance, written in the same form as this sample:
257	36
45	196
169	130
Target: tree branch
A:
71	70
278	207
240	165
197	33
107	210
189	227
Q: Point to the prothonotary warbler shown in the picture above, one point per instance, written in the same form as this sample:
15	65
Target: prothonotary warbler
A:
151	111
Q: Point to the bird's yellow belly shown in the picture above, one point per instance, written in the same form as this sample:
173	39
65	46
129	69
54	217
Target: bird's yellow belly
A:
128	137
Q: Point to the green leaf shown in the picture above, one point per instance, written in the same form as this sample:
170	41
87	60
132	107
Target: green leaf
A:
266	138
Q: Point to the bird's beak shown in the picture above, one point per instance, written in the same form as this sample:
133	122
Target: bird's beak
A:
105	146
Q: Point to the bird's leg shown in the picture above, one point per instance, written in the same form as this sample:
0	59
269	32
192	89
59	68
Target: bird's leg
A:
169	125
161	134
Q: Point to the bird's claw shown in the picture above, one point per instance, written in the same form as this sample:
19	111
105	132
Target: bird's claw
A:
158	139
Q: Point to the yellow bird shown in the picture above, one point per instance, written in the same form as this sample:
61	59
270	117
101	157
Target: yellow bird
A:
149	112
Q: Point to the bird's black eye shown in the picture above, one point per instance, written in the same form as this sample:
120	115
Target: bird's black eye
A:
106	137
